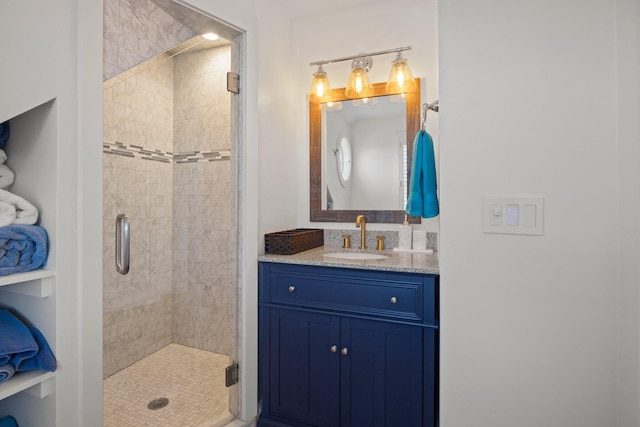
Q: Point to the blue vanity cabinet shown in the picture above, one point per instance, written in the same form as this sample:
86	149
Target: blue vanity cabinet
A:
347	347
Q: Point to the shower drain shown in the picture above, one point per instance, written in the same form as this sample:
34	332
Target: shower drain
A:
158	403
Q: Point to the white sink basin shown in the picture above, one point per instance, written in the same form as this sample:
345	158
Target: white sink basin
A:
355	255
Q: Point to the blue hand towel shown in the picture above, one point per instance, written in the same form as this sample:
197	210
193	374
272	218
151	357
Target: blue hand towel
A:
16	341
4	133
22	248
6	372
423	200
8	421
43	360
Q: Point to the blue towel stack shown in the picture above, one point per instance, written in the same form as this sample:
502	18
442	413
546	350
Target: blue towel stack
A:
423	199
22	248
8	421
22	348
4	133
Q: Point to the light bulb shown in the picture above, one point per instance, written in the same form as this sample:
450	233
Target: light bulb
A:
320	87
359	85
210	36
400	78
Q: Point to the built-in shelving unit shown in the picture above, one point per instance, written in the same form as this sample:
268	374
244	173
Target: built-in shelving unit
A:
35	383
32	152
37	283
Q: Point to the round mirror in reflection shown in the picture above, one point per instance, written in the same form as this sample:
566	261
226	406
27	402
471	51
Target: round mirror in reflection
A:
343	160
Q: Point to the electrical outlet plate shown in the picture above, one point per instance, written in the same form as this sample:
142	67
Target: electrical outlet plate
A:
513	214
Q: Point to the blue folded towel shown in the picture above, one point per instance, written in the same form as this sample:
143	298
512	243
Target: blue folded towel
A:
6	372
22	248
16	342
423	199
4	133
22	347
8	421
44	359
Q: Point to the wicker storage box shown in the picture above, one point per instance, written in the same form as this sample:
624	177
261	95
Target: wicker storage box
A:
293	241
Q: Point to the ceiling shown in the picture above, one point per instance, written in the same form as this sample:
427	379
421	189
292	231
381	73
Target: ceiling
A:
302	8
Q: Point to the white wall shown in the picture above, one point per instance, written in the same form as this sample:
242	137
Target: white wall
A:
348	31
528	107
278	168
62	60
628	46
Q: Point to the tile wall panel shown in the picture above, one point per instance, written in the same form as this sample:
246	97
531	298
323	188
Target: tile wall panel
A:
166	165
202	261
136	30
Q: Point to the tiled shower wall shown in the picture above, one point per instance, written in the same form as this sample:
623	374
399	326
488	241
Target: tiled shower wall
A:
136	30
203	255
138	306
167	166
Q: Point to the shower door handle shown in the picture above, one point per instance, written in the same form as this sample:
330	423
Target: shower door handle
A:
122	244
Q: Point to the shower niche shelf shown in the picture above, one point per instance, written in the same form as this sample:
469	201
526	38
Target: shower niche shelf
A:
37	283
35	383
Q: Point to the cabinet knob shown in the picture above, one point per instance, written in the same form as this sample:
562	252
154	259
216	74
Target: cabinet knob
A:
393	300
334	349
292	289
344	351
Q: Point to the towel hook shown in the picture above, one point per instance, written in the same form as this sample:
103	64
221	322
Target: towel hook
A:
434	106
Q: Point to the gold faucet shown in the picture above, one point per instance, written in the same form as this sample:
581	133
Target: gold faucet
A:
361	222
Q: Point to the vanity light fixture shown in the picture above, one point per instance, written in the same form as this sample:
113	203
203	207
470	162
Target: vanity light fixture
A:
320	86
359	86
400	77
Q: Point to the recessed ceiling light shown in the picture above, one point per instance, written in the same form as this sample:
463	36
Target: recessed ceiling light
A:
210	36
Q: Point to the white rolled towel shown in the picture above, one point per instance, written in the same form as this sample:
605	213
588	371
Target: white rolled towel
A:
6	176
26	213
3	156
7	214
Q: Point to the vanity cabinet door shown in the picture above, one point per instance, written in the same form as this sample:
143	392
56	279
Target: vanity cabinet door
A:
304	367
381	374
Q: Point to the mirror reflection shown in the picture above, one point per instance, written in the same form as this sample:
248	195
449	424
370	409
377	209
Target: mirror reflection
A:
360	155
365	154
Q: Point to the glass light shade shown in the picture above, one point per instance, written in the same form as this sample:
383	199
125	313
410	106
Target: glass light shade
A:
334	106
359	85
320	87
400	78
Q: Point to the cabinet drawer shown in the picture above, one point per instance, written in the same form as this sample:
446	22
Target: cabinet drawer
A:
394	295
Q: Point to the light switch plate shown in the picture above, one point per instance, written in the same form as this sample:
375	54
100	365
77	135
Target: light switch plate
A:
517	214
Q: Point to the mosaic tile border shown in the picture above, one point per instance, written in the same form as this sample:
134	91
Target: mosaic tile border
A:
137	151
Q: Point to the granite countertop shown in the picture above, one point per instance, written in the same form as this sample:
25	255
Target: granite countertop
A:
396	261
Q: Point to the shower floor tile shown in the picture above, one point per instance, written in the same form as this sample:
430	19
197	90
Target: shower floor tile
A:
192	380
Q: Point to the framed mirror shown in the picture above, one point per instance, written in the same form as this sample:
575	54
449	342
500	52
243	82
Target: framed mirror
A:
360	155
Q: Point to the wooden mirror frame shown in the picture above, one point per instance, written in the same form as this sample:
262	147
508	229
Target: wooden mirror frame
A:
317	214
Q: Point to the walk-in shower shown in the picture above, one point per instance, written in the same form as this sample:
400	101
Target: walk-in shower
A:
168	166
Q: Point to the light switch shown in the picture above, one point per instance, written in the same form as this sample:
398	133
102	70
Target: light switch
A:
529	215
513	214
496	215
